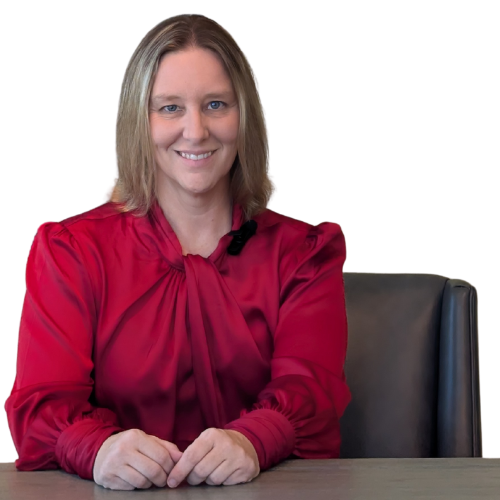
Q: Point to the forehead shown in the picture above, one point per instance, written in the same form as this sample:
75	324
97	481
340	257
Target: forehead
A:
191	73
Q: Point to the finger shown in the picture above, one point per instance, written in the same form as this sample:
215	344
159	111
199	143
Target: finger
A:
232	474
150	469
214	468
224	474
116	483
134	477
193	454
157	452
175	453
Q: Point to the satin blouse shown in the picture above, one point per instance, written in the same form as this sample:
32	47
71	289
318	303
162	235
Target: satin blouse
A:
119	330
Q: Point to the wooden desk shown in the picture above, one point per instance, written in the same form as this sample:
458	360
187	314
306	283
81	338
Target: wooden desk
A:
371	479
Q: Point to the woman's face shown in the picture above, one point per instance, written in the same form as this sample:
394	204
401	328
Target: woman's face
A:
193	111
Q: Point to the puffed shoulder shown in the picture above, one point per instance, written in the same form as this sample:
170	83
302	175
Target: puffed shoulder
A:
50	238
79	229
303	245
55	258
325	237
47	229
304	240
296	232
320	244
97	219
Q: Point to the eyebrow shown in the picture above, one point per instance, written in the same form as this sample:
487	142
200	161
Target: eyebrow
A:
171	97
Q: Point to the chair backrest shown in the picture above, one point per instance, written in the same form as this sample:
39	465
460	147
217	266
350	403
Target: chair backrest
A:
412	367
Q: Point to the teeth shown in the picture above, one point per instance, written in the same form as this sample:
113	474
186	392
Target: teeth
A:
195	157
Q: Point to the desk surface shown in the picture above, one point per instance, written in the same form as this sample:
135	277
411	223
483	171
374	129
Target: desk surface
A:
374	479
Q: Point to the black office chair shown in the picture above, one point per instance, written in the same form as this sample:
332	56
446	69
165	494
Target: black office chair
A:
412	367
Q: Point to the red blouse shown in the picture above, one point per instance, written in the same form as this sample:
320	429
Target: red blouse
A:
119	330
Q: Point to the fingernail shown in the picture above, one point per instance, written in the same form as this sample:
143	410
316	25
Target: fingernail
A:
172	483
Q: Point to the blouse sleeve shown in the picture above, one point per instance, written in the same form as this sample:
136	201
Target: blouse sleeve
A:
298	411
52	422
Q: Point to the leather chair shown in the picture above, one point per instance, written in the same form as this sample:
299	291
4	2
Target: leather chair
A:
412	367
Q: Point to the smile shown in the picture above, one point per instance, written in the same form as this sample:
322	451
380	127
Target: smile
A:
194	157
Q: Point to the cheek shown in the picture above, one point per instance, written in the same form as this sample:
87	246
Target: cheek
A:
161	133
229	133
154	128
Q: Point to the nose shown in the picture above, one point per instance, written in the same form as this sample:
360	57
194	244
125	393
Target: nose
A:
195	126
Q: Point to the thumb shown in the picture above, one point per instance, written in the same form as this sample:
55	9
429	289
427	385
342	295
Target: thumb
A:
175	453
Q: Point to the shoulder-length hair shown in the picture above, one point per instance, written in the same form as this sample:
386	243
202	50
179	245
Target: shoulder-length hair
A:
135	188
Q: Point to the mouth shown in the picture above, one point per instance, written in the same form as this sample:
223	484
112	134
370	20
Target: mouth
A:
201	156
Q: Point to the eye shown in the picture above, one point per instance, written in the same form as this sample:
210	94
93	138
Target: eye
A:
170	108
216	105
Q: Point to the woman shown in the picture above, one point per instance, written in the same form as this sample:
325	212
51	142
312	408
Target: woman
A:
182	331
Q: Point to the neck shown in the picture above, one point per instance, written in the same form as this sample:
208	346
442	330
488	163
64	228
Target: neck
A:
198	225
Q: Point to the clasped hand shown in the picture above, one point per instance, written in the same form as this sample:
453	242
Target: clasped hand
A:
134	459
217	456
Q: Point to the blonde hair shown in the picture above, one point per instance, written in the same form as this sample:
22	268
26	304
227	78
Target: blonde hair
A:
135	188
